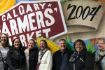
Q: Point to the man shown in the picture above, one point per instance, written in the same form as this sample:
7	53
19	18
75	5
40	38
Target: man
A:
100	54
61	57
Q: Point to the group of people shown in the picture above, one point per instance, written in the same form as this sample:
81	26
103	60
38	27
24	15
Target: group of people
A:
17	57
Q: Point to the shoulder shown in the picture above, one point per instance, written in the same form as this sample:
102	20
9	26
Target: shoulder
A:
90	56
36	49
56	53
11	51
97	52
48	51
26	50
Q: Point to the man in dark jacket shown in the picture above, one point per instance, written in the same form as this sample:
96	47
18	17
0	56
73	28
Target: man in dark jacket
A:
60	58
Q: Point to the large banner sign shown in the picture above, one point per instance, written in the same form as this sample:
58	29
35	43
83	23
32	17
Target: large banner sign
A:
33	19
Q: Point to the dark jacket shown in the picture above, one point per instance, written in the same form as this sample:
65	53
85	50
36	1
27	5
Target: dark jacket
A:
16	59
82	61
59	58
33	58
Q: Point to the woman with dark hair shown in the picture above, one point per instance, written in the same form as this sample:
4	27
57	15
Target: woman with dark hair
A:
31	55
44	57
4	47
81	59
16	57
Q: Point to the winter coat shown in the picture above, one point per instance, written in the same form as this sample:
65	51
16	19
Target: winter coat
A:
81	61
16	59
100	60
3	56
60	58
31	58
45	61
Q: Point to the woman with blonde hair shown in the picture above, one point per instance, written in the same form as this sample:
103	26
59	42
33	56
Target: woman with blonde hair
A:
31	55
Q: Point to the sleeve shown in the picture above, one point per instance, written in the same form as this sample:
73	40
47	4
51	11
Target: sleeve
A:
97	57
36	57
53	63
9	60
48	63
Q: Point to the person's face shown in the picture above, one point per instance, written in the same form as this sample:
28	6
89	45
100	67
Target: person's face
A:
17	43
78	47
62	45
31	44
101	44
3	39
42	45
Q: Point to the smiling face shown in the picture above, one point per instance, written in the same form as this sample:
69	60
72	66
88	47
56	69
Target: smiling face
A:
101	44
62	45
16	43
4	39
78	47
31	44
42	44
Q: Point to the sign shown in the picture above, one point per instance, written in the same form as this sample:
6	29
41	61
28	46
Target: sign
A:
83	16
33	19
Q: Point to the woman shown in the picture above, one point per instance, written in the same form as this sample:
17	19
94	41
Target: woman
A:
31	55
16	57
44	57
81	59
4	47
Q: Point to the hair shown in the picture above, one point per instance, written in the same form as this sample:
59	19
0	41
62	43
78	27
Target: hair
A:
101	39
46	45
7	43
82	42
62	40
20	47
32	40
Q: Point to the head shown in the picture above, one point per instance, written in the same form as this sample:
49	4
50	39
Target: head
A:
43	44
62	45
101	44
17	43
4	39
79	45
31	43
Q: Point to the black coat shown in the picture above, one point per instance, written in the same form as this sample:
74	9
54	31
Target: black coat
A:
33	58
16	59
82	61
58	58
